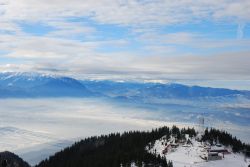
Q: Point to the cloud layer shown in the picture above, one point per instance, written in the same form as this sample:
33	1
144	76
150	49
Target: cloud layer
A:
127	38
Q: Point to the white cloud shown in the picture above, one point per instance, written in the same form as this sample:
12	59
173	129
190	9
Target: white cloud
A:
56	55
127	12
194	40
58	50
68	29
231	66
240	30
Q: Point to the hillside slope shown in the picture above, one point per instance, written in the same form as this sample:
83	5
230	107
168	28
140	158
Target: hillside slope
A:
110	151
8	159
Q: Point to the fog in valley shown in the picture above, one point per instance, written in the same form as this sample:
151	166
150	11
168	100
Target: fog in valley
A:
37	128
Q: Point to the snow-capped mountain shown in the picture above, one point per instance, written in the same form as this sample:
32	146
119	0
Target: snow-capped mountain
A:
158	90
43	85
39	85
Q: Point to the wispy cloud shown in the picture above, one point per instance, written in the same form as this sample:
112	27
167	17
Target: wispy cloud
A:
240	30
141	38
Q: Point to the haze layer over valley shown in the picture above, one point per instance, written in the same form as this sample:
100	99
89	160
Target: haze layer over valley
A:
37	128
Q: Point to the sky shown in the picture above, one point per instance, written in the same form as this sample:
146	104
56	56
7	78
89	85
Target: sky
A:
157	40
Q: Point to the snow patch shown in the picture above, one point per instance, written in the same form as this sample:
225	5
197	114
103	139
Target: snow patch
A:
189	156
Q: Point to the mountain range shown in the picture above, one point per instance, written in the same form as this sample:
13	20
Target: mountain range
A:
17	84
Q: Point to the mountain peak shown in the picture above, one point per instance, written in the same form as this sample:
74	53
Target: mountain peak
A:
31	84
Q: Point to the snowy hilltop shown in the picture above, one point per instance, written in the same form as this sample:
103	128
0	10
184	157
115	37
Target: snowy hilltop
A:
161	147
192	152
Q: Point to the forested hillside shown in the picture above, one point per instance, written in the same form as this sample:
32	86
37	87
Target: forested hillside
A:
214	135
128	148
114	150
8	159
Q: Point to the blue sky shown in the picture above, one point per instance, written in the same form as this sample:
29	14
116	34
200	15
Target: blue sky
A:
144	40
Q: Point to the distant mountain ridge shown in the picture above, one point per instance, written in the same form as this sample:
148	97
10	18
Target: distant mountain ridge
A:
40	85
158	90
43	85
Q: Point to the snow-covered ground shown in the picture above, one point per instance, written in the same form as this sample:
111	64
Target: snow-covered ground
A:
190	156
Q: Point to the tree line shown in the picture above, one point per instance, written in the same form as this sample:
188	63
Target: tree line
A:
115	150
213	135
121	150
